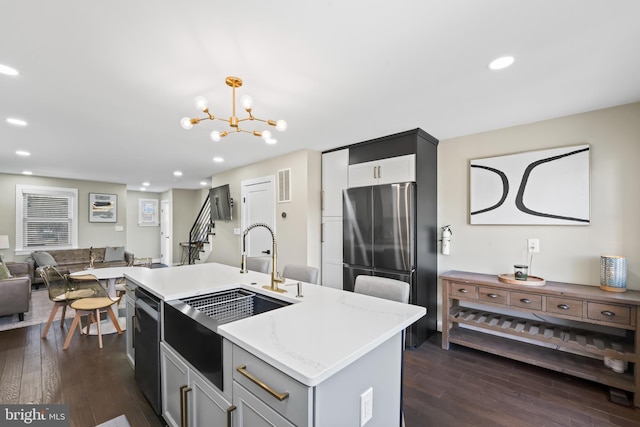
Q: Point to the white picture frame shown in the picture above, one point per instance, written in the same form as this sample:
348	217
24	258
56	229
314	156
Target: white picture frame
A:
148	213
544	187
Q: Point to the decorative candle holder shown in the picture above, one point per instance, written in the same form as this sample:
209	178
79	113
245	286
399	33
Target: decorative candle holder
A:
521	272
613	273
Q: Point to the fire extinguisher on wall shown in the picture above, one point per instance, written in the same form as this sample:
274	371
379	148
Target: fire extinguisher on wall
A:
446	240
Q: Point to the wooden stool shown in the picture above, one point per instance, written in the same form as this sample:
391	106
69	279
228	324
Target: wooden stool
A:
88	307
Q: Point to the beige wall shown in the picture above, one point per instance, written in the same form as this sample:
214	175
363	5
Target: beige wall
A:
567	253
143	242
184	205
298	235
89	234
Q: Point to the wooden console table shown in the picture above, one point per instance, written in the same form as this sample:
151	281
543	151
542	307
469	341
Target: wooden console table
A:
575	348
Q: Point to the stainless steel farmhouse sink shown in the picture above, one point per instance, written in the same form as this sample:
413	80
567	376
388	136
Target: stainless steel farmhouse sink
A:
190	325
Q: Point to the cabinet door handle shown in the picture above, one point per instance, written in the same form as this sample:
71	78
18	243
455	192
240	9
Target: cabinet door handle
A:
563	306
375	172
322	200
525	300
230	409
280	396
379	171
322	232
184	406
463	291
492	295
607	313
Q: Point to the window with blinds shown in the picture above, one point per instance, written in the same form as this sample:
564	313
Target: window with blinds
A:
46	217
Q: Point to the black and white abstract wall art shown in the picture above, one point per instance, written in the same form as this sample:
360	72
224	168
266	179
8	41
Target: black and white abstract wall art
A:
546	187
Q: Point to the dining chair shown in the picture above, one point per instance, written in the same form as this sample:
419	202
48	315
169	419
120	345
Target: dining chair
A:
57	287
382	287
89	298
302	273
261	264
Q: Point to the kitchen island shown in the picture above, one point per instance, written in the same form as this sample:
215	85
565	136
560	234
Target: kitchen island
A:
335	346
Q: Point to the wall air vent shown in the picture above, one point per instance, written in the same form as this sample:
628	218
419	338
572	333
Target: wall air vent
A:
284	185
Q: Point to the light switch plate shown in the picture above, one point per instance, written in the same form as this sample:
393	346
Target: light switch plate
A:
119	228
366	406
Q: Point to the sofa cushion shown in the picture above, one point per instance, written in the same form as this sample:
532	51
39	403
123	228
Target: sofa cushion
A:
4	271
43	258
114	254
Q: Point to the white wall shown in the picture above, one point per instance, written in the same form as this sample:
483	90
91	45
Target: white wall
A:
89	233
567	253
143	242
298	235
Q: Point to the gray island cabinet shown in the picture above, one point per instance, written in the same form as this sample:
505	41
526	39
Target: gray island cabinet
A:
321	361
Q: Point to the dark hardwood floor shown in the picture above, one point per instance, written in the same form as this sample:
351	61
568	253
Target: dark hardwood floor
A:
465	387
98	385
459	387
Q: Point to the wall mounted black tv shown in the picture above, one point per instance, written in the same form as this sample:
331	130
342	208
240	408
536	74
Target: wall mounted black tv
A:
221	203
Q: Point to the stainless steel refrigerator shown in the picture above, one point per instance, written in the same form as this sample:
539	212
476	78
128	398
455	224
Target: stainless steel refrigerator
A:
379	236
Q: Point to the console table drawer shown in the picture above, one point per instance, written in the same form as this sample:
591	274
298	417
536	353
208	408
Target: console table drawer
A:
463	290
566	306
495	296
525	300
609	313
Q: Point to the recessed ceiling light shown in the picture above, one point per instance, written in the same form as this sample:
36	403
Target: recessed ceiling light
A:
270	141
17	122
143	189
146	184
218	159
27	173
4	69
23	153
502	62
177	173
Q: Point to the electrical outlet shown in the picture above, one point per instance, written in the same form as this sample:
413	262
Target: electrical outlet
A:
236	231
366	406
533	245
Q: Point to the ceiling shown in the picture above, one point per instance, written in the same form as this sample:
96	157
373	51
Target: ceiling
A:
103	85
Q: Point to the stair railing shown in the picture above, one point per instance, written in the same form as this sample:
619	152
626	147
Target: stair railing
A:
200	231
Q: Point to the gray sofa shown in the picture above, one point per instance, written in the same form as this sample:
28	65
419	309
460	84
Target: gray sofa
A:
16	290
71	260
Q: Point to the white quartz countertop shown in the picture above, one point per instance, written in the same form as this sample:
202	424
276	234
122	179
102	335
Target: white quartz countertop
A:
311	339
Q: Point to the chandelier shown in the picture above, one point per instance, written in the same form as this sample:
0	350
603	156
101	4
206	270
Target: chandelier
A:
234	121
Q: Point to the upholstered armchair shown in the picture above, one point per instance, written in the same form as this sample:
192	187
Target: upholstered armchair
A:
16	290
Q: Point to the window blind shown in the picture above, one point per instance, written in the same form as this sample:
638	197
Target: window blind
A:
47	218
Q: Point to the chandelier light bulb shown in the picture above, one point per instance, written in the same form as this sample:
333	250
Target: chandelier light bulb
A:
201	103
215	136
266	135
186	123
247	102
281	125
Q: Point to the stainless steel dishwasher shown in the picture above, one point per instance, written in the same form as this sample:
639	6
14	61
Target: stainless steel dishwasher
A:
147	338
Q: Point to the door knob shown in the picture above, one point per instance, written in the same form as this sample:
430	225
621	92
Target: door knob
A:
268	252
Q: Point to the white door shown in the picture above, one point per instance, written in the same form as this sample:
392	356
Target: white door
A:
258	205
166	242
335	166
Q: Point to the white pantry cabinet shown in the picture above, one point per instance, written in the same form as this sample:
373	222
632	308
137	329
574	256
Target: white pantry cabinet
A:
383	171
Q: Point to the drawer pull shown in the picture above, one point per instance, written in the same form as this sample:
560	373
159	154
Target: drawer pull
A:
463	291
607	313
525	300
280	396
492	295
563	306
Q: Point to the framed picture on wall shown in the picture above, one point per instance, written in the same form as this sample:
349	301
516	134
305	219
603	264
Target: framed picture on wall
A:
148	213
544	187
103	207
